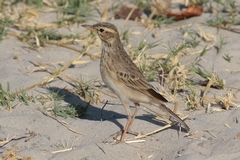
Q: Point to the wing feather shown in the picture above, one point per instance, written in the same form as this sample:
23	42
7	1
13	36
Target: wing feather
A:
133	78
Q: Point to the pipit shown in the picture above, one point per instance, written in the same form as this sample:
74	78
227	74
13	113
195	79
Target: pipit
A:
124	78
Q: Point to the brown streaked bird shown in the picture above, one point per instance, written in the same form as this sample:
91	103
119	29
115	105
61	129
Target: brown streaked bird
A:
124	78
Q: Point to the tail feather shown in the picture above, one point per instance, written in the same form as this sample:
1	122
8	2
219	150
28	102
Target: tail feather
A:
156	95
166	109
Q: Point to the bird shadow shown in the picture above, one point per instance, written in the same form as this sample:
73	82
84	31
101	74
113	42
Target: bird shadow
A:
94	113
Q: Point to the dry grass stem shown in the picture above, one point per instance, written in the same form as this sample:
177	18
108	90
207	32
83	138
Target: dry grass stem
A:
129	15
135	141
208	131
211	81
176	104
62	150
16	137
208	109
176	28
232	71
101	148
65	148
75	49
110	94
227	100
227	125
205	36
70	129
54	75
104	11
153	132
11	155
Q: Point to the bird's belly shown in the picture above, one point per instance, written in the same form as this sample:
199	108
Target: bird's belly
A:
123	91
134	95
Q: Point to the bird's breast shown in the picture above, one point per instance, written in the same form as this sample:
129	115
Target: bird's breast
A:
107	70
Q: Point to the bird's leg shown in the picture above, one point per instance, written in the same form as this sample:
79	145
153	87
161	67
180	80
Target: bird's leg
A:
129	119
127	127
132	119
123	132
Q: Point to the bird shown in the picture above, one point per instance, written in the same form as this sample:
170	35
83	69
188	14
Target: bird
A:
124	78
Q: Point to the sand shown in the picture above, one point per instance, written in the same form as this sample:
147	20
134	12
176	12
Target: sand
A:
213	135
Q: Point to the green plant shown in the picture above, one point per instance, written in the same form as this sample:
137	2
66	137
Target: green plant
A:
143	4
78	9
125	36
190	36
226	17
4	23
227	57
219	48
193	41
140	56
162	20
36	38
172	59
114	6
192	99
24	97
88	93
145	44
216	82
5	96
37	3
70	110
67	110
54	95
197	2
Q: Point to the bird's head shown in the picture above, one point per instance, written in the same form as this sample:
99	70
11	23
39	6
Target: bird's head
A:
107	32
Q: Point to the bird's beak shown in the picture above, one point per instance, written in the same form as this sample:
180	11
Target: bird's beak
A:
89	27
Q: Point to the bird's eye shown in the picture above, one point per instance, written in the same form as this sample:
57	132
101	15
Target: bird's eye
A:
101	30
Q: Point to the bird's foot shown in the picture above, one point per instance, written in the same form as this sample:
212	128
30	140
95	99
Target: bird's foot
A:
118	136
133	132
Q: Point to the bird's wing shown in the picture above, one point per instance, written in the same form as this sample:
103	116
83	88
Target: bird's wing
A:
129	74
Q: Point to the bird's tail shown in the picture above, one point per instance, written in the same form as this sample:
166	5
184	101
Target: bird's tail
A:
166	109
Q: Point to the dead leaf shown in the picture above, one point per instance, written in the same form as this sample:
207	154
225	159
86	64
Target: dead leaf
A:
124	11
191	11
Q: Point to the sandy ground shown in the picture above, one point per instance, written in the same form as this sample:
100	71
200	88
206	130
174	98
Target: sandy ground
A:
212	138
